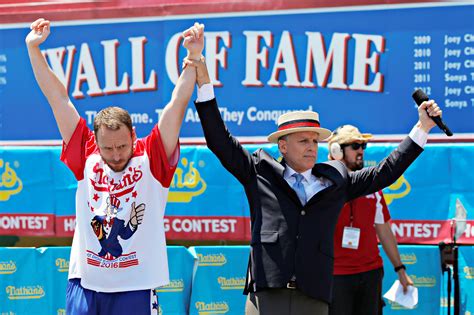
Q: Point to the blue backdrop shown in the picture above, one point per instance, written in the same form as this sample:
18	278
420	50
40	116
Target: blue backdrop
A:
263	64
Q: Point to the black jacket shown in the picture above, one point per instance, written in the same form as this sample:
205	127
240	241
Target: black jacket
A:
287	237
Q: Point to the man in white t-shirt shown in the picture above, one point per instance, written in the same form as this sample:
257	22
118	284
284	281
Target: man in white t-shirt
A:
118	255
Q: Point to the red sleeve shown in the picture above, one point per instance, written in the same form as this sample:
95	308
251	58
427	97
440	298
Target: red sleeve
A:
161	168
80	146
386	213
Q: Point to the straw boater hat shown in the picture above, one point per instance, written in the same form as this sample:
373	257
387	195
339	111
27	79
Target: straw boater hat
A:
348	134
298	121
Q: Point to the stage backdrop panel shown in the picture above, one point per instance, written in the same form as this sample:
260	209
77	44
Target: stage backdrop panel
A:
466	279
174	297
219	280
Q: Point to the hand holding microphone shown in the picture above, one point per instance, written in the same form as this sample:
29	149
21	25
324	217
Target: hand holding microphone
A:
432	110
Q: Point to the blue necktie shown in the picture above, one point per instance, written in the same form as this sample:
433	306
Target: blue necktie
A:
299	187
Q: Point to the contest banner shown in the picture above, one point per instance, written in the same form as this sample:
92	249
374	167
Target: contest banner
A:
354	64
219	280
206	202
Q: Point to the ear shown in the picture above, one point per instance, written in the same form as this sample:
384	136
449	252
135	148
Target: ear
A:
134	135
96	138
282	146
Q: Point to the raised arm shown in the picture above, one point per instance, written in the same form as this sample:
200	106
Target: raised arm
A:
372	179
173	113
64	111
228	150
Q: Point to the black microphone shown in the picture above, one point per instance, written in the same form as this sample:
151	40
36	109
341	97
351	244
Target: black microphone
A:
419	96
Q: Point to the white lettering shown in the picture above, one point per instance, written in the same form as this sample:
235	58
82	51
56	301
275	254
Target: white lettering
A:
418	230
86	73
285	60
452	65
334	59
215	57
455	78
469	64
452	52
452	40
363	63
23	222
201	225
69	224
452	91
110	68
469	51
469	38
256	56
138	67
455	104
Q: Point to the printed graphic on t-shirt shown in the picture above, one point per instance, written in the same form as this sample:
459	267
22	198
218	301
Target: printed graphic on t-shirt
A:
108	225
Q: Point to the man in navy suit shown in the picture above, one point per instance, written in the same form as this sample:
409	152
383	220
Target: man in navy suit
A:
295	203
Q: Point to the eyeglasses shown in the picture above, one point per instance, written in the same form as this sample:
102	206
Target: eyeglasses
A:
356	146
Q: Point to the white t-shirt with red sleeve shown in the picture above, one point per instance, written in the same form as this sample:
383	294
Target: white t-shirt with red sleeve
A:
366	211
109	253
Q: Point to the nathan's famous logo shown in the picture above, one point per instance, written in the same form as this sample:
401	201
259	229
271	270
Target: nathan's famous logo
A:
174	286
396	306
212	308
211	260
426	282
117	188
187	182
468	272
397	190
7	267
235	283
25	292
408	259
62	264
10	183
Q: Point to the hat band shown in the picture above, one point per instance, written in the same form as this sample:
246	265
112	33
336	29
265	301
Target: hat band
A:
298	124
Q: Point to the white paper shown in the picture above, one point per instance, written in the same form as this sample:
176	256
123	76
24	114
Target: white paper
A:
395	294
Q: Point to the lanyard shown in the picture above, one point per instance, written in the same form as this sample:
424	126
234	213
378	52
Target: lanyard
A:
351	217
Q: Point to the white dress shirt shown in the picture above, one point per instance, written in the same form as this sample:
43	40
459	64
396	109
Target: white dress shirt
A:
312	184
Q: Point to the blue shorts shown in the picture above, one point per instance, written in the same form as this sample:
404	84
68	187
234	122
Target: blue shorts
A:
81	301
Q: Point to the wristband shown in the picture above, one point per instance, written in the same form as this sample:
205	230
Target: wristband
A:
402	266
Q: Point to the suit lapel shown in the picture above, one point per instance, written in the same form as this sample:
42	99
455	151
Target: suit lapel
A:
328	170
278	172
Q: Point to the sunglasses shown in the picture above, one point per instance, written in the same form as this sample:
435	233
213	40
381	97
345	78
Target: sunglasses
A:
356	146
